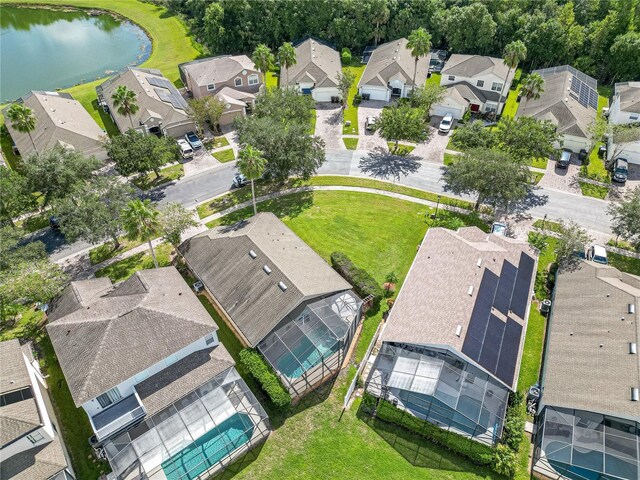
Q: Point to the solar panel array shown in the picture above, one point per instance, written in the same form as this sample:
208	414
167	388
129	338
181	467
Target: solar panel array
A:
583	93
167	92
491	341
159	82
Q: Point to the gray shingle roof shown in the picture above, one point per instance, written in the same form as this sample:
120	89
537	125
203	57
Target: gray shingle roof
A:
61	121
588	306
38	463
217	69
221	258
181	378
434	298
557	105
629	93
393	60
316	62
473	65
113	335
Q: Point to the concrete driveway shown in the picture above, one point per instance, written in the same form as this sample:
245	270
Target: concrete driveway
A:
329	124
563	179
370	140
433	149
201	161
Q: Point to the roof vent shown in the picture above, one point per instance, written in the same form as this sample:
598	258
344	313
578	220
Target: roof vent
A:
458	330
252	254
267	270
282	286
631	308
470	291
633	348
635	395
479	262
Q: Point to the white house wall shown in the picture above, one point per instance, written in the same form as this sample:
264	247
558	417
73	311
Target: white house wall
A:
376	93
620	117
630	151
92	407
488	81
324	94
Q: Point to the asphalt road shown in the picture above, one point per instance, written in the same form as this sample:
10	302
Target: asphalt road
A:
557	205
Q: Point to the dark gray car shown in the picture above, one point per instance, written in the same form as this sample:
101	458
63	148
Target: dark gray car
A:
565	159
620	171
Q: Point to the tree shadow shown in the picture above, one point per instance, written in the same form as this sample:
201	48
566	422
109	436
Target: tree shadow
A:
240	464
382	164
290	206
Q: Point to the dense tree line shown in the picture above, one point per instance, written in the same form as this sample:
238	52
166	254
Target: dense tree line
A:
601	37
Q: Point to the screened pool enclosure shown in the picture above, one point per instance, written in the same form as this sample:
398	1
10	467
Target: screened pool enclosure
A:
437	386
310	343
193	437
583	446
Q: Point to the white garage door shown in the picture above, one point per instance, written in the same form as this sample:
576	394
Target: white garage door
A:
323	95
442	110
375	94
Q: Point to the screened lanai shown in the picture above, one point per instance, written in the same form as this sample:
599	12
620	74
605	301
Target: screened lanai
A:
193	437
438	386
584	445
310	343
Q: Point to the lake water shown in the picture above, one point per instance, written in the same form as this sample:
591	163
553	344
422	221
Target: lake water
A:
44	49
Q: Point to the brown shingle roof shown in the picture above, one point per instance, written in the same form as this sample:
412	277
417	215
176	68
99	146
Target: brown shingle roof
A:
217	69
394	60
589	305
473	65
120	333
315	62
38	463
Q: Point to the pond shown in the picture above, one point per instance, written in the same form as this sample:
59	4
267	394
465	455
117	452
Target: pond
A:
44	49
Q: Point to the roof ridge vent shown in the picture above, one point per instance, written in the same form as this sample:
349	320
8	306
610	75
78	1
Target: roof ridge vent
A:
479	262
633	348
267	270
282	286
458	330
635	394
252	254
470	291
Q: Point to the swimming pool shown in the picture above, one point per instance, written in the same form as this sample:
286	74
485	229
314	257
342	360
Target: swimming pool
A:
212	446
307	357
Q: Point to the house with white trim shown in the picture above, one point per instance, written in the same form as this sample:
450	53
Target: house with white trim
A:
316	71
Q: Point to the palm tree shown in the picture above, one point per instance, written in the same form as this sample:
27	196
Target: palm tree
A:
23	120
262	58
514	53
125	101
287	57
420	44
533	86
141	221
380	17
251	164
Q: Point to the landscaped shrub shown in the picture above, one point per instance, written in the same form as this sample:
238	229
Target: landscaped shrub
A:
504	461
513	430
357	99
266	377
346	56
476	452
363	283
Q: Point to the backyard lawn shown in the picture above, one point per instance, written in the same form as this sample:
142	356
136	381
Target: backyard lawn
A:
351	112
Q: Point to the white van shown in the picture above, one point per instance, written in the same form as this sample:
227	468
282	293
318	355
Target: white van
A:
598	254
185	149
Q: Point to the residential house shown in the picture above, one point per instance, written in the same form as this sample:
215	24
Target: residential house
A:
233	79
473	83
450	350
569	101
161	108
316	71
30	446
625	110
278	296
60	121
143	360
588	421
389	72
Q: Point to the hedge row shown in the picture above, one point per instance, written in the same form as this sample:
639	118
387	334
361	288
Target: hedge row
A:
476	452
506	453
363	283
266	377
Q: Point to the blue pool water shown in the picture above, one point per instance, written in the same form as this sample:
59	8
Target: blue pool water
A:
213	446
289	366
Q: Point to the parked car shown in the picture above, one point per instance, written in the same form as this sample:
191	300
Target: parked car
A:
565	159
436	65
185	149
239	180
597	253
53	223
370	123
193	140
620	170
446	123
602	151
582	155
499	228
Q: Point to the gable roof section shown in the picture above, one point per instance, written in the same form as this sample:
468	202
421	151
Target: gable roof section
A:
586	325
556	102
473	65
434	300
106	337
629	95
221	258
61	121
393	60
38	463
316	62
217	69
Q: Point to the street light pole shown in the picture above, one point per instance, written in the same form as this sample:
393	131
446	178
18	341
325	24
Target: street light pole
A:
434	216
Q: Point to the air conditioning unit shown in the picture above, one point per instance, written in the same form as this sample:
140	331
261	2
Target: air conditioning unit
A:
198	286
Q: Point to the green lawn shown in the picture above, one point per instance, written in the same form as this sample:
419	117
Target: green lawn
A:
105	251
6	144
539	163
312	122
350	143
536	177
595	169
151	180
225	156
449	158
604	94
351	112
434	79
511	105
171	44
596	191
35	222
218	142
123	269
271	80
401	150
548	225
626	264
